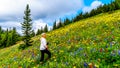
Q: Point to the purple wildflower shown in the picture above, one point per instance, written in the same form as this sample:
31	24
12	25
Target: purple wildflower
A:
118	52
85	64
106	46
80	49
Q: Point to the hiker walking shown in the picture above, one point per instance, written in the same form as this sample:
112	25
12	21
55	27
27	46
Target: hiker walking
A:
44	47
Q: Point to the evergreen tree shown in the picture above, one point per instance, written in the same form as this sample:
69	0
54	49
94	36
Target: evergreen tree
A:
42	30
27	27
38	32
5	39
67	21
33	33
59	24
15	36
54	25
118	3
9	40
46	28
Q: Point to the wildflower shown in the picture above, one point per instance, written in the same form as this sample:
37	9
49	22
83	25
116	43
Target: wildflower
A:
96	66
101	49
74	67
61	51
90	65
115	65
99	60
80	49
118	52
106	46
85	64
55	60
32	55
111	43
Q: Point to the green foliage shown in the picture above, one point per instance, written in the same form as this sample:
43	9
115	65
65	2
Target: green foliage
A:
89	43
22	47
114	5
67	21
27	27
60	24
33	33
39	31
46	28
8	37
54	25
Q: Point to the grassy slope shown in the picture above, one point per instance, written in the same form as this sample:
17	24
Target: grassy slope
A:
66	42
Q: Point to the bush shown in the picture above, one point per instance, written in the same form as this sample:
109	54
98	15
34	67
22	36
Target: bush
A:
22	46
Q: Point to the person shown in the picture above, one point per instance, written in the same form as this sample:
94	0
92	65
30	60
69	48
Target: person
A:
44	47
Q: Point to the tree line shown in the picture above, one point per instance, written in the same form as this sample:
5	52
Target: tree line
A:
8	37
114	5
27	25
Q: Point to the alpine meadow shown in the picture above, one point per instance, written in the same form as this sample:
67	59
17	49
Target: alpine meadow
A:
90	40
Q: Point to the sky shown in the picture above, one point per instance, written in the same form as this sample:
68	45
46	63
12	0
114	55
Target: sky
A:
43	11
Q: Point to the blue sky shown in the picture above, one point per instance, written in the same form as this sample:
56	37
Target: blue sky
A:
43	11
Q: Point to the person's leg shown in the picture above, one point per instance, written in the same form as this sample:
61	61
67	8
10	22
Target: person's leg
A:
49	54
42	55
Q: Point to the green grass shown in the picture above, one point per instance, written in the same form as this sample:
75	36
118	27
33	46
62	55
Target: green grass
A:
91	42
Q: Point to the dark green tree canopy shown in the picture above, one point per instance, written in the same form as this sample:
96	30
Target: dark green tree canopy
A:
27	26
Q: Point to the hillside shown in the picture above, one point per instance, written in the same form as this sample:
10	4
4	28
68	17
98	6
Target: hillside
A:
91	42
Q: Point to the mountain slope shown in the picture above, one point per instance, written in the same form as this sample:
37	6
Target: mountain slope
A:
86	43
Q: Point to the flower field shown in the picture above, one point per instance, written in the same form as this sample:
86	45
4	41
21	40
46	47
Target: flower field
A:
90	43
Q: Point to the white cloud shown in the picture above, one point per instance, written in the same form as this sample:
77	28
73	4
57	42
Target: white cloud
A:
13	9
93	5
10	25
36	25
43	11
40	23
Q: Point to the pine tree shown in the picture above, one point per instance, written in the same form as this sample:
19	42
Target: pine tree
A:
46	28
118	3
59	24
5	39
67	21
15	36
33	33
42	30
9	40
38	32
54	25
27	27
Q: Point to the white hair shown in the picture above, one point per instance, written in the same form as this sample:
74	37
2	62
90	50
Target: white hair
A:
43	34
